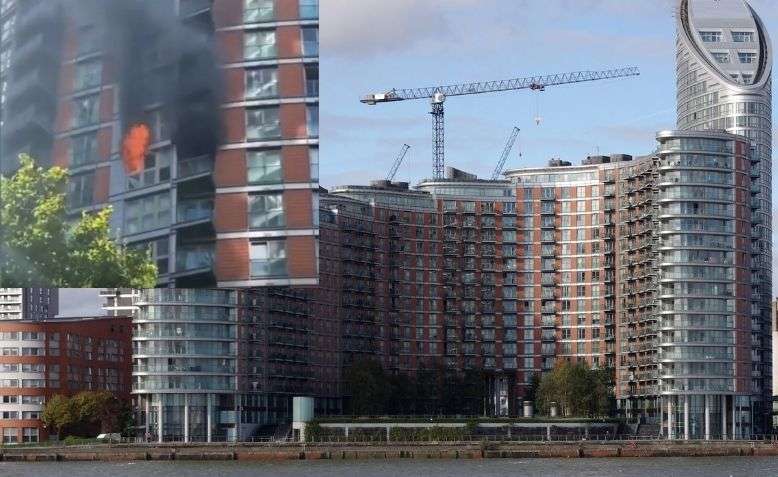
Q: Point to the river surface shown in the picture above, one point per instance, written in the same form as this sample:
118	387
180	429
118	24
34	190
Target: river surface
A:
663	467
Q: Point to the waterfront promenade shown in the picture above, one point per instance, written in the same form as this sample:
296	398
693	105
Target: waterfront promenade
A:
410	450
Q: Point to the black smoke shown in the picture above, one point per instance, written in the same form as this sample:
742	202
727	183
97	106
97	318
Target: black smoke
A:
165	60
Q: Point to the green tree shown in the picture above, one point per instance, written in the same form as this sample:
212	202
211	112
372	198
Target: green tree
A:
100	409
367	387
577	390
59	413
41	246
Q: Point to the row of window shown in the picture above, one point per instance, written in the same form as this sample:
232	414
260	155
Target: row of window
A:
262	44
743	57
718	36
265	10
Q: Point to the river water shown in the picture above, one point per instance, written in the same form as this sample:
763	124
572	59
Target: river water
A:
663	467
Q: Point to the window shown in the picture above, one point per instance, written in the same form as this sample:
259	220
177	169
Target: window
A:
156	169
746	57
268	259
87	39
147	213
30	434
260	44
312	119
258	11
743	36
159	252
310	37
88	75
86	111
263	123
81	190
313	156
312	80
721	57
158	123
309	9
266	211
264	166
711	36
10	435
83	149
262	83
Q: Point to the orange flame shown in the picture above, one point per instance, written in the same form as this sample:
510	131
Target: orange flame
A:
135	148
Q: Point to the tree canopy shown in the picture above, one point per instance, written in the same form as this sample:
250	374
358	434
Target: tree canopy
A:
87	413
577	390
40	245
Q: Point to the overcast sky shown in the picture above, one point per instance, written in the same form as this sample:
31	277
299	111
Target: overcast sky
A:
80	302
372	46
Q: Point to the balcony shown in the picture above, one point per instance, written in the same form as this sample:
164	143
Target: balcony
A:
194	211
34	85
194	7
191	258
32	125
33	51
195	167
35	15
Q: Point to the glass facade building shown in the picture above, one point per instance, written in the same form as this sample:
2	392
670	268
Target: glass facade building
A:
724	81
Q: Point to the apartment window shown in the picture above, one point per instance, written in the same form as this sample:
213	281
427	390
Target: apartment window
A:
312	120
86	111
160	251
83	149
88	40
81	190
266	211
30	434
260	44
264	167
711	36
309	9
147	213
721	57
313	157
312	80
268	259
156	169
88	75
743	36
746	57
263	123
10	435
262	83
258	11
158	123
310	38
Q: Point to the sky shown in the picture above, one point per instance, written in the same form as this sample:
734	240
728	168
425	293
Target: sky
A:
80	302
371	46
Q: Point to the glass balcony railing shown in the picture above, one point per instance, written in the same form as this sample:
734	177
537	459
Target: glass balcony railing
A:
195	166
194	210
194	258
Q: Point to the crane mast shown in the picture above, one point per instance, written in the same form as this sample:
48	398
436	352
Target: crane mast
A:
505	153
438	94
397	162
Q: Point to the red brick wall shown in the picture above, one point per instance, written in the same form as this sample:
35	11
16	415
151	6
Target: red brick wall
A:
298	207
231	212
288	39
232	259
230	168
296	164
301	256
293	124
102	181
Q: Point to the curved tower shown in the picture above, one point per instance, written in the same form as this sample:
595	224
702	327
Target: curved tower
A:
724	82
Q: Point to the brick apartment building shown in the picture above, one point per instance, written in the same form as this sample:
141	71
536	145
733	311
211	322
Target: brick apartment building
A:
43	358
229	92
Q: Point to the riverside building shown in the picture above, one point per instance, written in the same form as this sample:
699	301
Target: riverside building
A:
45	357
227	91
724	75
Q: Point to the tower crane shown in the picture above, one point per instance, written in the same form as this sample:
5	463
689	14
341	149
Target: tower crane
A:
397	162
438	94
505	153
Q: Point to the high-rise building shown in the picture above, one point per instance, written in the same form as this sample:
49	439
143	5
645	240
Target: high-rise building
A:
227	91
28	303
220	364
724	75
44	358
